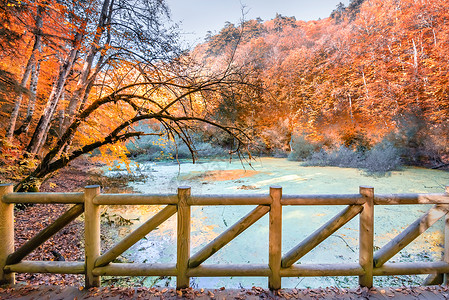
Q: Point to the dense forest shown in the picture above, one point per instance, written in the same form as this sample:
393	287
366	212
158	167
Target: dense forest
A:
89	77
375	72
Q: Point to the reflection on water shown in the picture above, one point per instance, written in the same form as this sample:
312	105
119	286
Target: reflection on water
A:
298	222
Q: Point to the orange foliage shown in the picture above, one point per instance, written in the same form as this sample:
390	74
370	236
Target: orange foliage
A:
370	68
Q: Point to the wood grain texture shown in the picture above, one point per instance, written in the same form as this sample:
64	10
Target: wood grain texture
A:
6	233
56	267
275	238
135	199
136	269
366	236
183	244
62	198
91	234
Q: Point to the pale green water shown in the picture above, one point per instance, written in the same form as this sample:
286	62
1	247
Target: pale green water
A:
298	222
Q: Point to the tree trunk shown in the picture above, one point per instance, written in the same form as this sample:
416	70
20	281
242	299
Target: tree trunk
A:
82	84
415	56
26	75
350	108
43	125
32	99
61	118
87	77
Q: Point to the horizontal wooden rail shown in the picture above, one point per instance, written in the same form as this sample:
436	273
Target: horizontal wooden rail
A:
231	270
205	200
396	199
54	198
350	199
136	269
134	199
55	267
244	270
413	268
313	270
186	266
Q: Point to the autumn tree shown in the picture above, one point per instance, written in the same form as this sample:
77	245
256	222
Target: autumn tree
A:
176	101
9	36
119	65
373	66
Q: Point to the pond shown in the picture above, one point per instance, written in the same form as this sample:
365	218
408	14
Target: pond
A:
224	177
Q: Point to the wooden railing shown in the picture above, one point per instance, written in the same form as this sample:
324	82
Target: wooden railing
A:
280	265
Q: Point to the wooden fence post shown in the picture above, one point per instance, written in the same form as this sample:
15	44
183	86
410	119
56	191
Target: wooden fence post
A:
446	241
366	236
6	233
275	238
91	234
183	243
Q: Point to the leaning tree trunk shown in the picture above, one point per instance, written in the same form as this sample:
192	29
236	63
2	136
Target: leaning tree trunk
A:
26	75
87	76
82	86
43	125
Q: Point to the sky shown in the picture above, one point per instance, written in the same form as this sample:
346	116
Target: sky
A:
196	17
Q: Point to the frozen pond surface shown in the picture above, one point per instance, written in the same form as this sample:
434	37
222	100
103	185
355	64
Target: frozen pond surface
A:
222	177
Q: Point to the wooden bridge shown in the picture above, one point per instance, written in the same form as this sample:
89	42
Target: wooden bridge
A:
279	265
